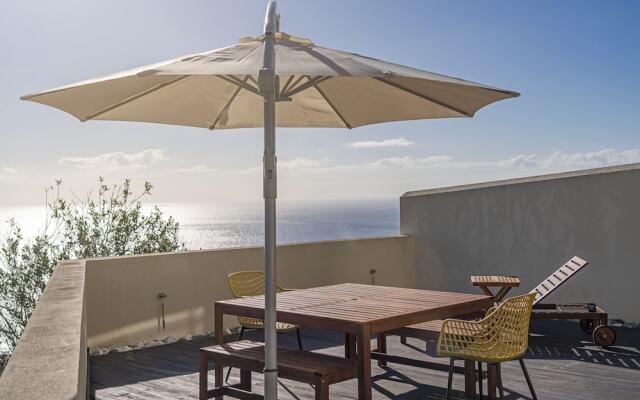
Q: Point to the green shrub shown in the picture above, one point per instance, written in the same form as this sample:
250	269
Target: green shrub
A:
107	222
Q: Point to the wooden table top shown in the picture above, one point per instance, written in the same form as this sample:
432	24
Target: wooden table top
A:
495	280
352	305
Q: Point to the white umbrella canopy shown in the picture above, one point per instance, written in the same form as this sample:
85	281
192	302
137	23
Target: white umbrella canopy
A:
268	81
318	87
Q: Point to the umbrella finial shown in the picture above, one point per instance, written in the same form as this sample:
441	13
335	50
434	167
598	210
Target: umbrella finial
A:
272	18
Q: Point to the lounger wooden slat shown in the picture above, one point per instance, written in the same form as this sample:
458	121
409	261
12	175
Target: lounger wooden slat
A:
558	278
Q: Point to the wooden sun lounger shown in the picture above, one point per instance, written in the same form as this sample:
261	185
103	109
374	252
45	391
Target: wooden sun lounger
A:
593	319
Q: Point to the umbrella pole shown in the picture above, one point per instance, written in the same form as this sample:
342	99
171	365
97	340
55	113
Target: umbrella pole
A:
267	84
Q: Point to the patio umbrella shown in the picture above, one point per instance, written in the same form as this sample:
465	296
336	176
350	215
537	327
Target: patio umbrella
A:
249	83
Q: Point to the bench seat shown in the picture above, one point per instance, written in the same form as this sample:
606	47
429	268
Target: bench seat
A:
425	330
320	370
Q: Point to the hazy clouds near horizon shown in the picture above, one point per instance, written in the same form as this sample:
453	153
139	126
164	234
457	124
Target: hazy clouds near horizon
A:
576	68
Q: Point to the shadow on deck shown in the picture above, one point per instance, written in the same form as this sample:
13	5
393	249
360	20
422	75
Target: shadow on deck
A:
562	361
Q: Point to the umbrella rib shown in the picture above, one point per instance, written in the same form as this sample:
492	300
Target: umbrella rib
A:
423	96
239	82
306	85
134	97
286	85
226	106
333	107
282	92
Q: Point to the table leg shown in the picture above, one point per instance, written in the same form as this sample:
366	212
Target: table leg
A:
382	347
204	375
219	332
349	345
245	379
469	379
492	380
501	293
486	291
321	385
364	363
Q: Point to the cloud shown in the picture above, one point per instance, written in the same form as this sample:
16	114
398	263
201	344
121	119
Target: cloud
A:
295	164
411	162
520	161
399	142
601	158
8	171
558	161
301	163
117	161
200	168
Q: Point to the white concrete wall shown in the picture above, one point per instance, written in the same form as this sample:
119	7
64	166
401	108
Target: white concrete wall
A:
50	361
529	227
121	292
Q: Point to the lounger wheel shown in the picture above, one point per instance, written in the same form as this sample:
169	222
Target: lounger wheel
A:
587	325
604	336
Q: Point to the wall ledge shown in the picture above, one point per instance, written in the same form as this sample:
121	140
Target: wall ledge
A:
244	248
529	179
50	360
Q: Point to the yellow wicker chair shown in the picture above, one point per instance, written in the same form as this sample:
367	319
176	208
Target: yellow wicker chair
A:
251	283
502	335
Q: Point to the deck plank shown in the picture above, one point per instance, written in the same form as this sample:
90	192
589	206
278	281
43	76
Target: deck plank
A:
563	364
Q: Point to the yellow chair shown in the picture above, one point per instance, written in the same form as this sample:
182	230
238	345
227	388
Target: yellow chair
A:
251	283
502	335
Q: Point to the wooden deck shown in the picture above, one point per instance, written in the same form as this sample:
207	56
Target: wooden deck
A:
563	364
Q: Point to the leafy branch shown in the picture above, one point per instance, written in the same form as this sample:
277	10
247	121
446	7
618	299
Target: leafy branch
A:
109	221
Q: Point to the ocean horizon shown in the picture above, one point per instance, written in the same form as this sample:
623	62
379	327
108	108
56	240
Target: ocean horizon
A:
205	226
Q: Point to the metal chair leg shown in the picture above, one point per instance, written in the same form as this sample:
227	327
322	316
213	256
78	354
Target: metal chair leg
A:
450	381
480	378
226	380
526	376
500	388
299	339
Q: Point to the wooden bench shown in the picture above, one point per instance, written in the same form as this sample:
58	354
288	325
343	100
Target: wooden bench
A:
425	330
319	370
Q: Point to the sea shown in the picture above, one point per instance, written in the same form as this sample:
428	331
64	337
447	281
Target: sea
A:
205	226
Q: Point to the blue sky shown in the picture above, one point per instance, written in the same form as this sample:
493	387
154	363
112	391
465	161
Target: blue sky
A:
576	64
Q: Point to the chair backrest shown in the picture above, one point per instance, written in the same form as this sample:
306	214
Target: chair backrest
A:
246	283
559	277
509	326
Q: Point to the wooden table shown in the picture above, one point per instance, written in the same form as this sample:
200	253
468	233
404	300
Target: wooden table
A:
357	310
505	283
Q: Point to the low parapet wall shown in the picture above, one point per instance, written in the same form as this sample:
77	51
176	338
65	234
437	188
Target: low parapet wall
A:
123	307
114	301
50	361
